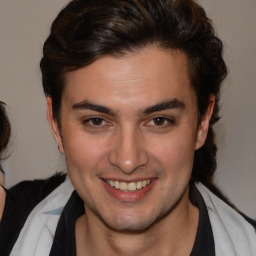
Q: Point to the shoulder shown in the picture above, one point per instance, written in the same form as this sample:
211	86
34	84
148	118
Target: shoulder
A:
218	199
20	201
231	230
27	194
40	226
39	187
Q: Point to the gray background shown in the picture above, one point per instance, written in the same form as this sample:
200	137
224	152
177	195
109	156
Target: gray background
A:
24	25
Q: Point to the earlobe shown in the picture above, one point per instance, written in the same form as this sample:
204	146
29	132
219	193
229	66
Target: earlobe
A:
204	124
54	125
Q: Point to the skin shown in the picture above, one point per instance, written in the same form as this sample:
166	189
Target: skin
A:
2	195
2	201
114	126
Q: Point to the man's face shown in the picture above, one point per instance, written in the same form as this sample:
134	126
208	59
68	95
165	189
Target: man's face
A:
129	132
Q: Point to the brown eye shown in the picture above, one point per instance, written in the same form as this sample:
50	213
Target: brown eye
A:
97	121
159	121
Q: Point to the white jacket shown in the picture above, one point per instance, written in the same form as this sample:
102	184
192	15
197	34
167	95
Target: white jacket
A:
233	236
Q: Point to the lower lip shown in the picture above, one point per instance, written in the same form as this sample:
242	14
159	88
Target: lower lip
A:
129	196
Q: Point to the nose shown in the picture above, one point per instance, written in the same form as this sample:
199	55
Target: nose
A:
129	151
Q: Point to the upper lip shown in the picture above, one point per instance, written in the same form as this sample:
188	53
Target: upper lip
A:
129	180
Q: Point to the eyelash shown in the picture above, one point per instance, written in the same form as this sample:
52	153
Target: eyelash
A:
164	122
167	122
89	122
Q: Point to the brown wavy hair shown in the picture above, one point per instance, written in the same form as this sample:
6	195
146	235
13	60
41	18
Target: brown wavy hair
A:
5	130
85	30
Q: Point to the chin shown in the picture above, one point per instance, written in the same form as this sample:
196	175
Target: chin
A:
130	226
128	223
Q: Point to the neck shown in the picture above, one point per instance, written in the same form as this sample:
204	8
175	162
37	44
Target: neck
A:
174	234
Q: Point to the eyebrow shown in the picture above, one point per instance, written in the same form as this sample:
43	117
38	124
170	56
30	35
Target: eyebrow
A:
171	104
95	107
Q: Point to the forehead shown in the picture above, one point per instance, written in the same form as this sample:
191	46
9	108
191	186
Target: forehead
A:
145	76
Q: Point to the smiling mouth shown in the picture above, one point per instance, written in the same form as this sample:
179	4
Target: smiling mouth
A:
128	186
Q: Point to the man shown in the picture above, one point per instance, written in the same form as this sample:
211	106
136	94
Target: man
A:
132	92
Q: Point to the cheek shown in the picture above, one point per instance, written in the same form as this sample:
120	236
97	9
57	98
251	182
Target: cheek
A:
83	159
82	153
175	153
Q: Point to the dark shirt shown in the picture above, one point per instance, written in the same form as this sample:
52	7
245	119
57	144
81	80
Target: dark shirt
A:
64	241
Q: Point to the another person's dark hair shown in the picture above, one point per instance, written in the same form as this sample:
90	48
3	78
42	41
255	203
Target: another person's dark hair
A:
85	30
5	130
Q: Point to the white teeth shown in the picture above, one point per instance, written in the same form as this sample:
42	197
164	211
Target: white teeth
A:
139	184
128	186
123	185
132	186
116	185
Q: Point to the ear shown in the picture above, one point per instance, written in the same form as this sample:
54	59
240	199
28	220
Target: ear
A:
54	125
204	124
